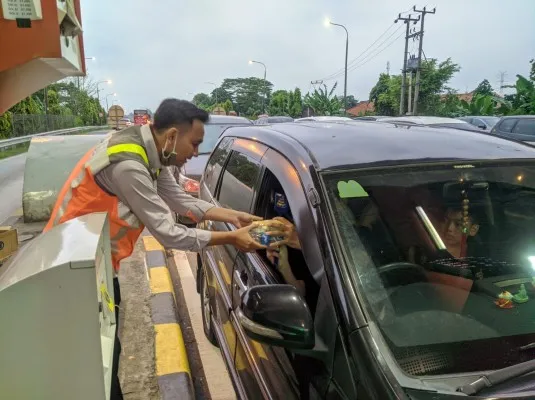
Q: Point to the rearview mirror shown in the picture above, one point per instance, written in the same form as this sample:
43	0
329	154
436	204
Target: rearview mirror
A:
277	315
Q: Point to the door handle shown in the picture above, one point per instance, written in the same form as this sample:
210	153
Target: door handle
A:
239	283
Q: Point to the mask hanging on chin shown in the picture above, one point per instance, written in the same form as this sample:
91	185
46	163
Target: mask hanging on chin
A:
166	156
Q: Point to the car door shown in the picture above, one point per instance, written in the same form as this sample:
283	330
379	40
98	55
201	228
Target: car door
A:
218	260
504	127
267	371
524	130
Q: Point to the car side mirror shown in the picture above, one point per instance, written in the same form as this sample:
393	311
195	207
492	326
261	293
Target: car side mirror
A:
482	126
277	315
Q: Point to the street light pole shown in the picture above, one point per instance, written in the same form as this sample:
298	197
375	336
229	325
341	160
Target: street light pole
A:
329	22
108	81
109	94
215	90
265	88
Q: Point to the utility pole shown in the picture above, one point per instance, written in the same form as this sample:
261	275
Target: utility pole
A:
406	21
502	80
421	37
388	68
410	94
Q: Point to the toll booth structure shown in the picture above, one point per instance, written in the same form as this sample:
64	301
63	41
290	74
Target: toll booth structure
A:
41	42
57	314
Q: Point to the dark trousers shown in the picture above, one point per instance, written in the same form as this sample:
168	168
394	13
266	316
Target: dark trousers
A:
115	390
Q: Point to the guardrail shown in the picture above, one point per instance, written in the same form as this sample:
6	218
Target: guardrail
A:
6	143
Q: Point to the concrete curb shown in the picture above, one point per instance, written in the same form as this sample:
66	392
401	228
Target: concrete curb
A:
172	366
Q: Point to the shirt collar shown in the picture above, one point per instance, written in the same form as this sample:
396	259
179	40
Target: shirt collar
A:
150	147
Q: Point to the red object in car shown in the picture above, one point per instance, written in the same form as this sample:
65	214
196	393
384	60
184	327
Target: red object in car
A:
189	185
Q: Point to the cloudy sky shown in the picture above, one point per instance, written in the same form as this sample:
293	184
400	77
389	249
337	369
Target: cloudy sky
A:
152	50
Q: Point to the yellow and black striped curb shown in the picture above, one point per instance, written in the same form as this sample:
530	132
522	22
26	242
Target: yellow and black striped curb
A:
172	366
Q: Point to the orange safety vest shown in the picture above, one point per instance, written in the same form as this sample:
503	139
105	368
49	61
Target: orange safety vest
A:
81	195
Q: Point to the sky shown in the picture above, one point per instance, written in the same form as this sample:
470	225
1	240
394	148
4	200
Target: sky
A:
171	48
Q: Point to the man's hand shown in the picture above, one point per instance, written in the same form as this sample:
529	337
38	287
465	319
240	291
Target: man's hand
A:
243	240
239	219
242	219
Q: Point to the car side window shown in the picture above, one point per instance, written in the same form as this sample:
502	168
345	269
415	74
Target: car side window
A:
238	184
507	125
525	127
215	164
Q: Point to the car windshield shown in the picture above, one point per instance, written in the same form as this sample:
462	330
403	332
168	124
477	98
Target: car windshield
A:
211	135
443	260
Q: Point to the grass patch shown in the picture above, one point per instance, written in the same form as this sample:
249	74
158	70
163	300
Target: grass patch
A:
15	150
23	147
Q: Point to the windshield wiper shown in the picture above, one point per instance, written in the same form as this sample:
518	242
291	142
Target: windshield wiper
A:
497	377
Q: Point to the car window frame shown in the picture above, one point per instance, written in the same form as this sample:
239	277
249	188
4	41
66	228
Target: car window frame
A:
519	120
499	125
213	195
245	147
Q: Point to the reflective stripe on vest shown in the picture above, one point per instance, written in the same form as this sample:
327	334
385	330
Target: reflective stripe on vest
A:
128	148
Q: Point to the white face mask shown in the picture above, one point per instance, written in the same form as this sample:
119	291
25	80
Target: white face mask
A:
166	156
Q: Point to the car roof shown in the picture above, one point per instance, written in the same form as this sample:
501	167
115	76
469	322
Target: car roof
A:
425	120
323	118
229	119
519	116
363	143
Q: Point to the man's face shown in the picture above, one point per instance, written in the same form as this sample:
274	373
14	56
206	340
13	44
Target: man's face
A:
188	139
452	230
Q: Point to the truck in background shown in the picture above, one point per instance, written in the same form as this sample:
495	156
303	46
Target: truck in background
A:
141	117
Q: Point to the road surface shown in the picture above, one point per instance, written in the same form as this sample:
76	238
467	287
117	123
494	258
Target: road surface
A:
11	177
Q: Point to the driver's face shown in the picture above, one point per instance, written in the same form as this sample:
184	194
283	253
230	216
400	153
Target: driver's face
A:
453	227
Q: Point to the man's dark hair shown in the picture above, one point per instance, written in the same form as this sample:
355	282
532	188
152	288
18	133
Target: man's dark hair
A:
173	112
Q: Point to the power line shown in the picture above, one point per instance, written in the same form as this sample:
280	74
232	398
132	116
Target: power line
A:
376	54
362	62
361	54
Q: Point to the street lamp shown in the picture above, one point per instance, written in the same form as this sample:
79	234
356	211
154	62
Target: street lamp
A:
327	23
108	81
215	90
265	71
108	95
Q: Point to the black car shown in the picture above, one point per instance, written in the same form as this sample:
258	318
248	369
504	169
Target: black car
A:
482	122
415	266
518	127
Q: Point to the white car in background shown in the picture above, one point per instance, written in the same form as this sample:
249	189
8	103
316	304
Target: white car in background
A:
323	119
433	122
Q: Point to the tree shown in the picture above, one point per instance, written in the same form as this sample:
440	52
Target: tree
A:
220	95
280	103
246	94
202	98
296	105
433	81
350	101
385	94
227	106
484	89
323	102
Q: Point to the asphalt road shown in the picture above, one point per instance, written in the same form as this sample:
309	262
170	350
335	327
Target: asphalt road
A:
11	177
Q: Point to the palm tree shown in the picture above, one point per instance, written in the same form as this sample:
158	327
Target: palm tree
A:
323	102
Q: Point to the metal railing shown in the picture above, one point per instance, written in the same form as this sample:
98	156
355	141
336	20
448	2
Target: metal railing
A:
7	143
